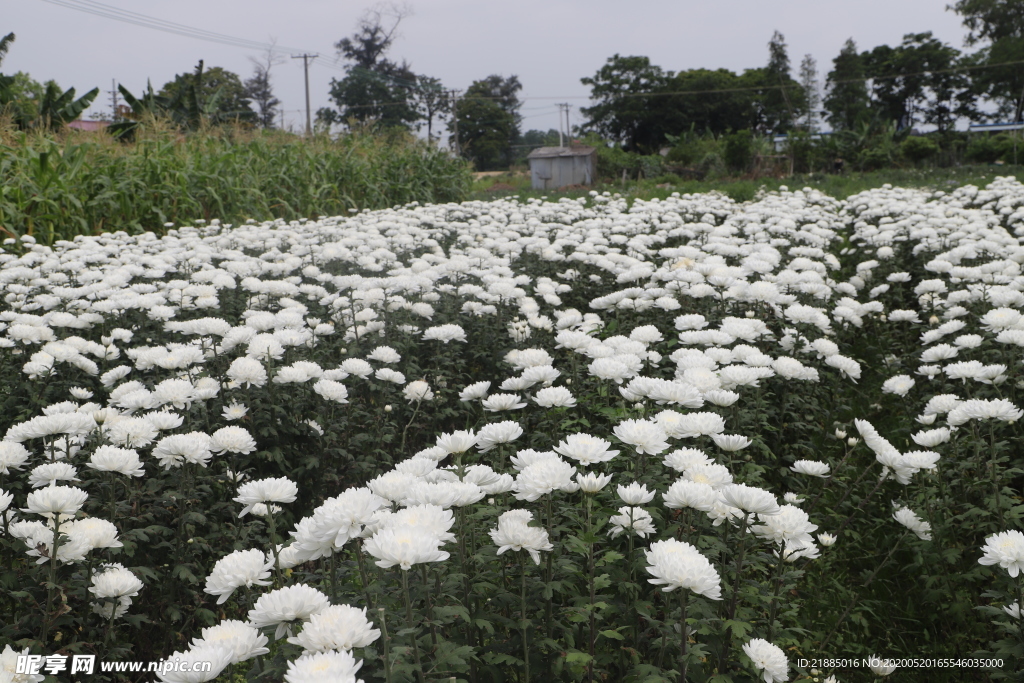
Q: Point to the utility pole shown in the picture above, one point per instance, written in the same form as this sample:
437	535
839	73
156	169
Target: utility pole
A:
113	97
568	130
305	67
455	121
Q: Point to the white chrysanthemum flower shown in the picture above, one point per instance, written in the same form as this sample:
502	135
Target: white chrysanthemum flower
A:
644	436
514	533
9	660
900	385
331	390
813	468
242	640
826	539
52	472
909	519
1006	549
475	391
192	665
592	482
691	494
112	582
635	493
241	568
384	354
323	667
789	526
445	333
555	397
270	490
750	499
496	433
682	458
234	411
543	477
881	667
585	449
247	372
418	391
499	402
677	564
768	659
404	546
731	442
632	519
13	456
94	532
177	449
338	627
286	606
232	440
56	500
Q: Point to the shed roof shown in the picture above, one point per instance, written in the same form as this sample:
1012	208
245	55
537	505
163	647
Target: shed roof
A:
549	152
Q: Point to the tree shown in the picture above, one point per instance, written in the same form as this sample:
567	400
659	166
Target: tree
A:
259	90
846	101
432	101
998	26
33	105
216	89
812	96
916	81
782	97
624	108
488	121
374	87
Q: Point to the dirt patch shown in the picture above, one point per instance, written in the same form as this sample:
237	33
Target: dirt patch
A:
500	187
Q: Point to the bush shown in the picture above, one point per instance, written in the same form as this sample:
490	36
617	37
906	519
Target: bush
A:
738	150
917	148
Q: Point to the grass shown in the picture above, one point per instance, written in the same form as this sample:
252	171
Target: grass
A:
745	189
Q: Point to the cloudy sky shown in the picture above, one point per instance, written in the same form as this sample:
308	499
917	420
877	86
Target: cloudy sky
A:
549	44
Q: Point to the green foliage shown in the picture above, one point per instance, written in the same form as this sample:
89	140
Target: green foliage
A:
738	150
488	121
918	148
219	93
56	188
846	101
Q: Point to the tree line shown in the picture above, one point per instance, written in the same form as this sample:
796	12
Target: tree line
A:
635	104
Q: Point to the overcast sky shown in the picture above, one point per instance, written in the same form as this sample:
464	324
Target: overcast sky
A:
549	44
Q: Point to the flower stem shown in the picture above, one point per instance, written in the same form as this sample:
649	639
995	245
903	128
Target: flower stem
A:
412	625
524	625
683	664
387	644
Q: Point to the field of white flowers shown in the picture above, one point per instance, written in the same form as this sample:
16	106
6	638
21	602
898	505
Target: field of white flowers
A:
676	440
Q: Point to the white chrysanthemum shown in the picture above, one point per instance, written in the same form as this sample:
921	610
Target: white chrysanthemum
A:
247	372
445	333
592	482
789	526
702	424
113	582
191	665
52	472
9	666
813	468
270	490
242	640
94	532
555	397
544	476
232	440
909	519
418	391
475	391
682	458
691	494
632	519
677	564
768	659
585	449
731	442
514	533
404	546
899	385
323	667
234	411
338	627
1006	549
241	568
285	606
499	402
750	499
56	500
496	433
13	456
331	390
177	449
635	493
644	436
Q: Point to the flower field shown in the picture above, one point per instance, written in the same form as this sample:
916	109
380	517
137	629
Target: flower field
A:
675	440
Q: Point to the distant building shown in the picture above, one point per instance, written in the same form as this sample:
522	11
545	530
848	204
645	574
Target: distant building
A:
88	125
555	167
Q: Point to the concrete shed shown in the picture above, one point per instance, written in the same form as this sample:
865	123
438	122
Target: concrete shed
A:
555	167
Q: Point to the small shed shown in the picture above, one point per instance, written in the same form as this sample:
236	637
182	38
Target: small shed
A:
555	167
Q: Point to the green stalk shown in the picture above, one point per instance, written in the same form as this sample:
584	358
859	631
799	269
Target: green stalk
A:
683	664
387	647
411	625
523	625
53	576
